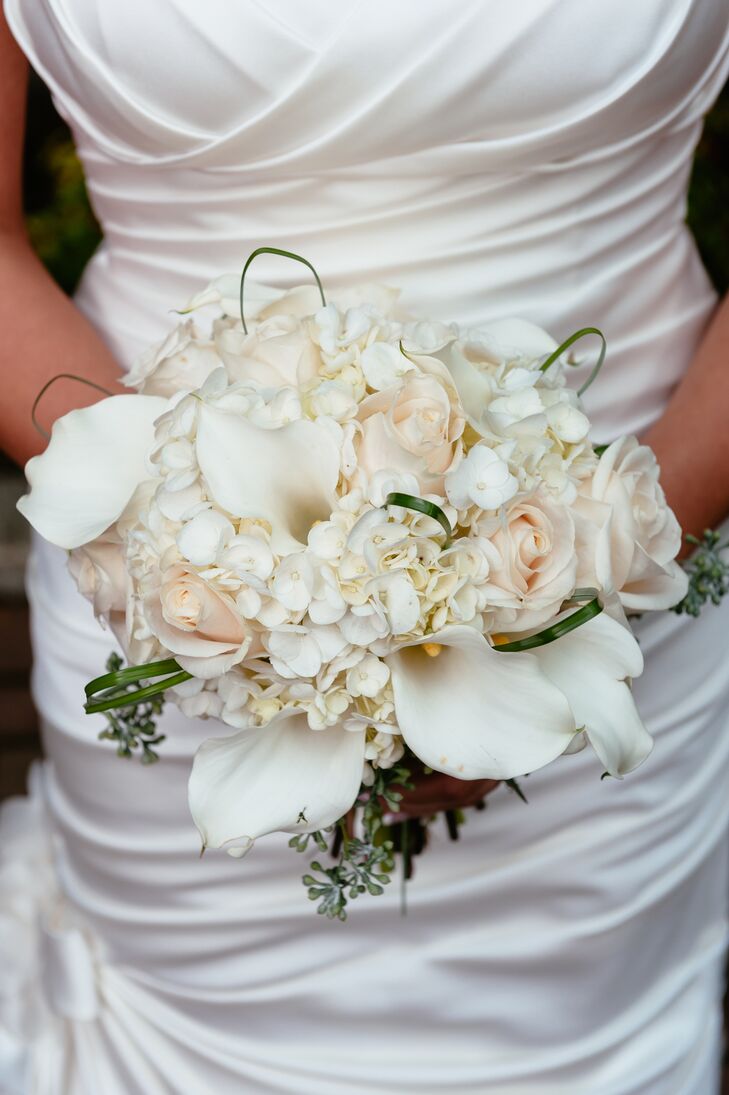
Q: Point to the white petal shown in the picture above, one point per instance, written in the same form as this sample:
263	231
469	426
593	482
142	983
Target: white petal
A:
590	666
475	713
225	291
200	539
520	336
456	486
474	388
653	586
402	603
176	504
282	777
286	476
383	364
93	463
294	652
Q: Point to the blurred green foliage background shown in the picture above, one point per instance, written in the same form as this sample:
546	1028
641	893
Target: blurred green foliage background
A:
65	233
61	225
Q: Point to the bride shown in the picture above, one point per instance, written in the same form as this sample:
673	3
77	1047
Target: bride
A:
491	159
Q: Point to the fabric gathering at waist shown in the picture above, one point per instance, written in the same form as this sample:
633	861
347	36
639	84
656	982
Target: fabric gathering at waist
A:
613	253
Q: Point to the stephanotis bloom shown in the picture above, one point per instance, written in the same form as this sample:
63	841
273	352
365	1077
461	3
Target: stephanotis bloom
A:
331	520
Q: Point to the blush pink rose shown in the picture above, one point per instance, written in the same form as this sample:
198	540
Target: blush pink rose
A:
533	564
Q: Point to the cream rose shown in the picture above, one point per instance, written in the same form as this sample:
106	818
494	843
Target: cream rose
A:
278	353
181	362
99	570
628	529
412	427
533	564
196	623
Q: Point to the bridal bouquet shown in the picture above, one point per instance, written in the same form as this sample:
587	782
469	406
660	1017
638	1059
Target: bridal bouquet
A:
353	538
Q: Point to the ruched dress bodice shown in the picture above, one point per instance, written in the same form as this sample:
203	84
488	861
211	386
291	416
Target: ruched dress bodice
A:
490	159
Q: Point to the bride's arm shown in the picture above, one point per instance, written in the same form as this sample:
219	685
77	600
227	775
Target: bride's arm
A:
691	439
43	333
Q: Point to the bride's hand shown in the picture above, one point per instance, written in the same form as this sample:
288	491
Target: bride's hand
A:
434	792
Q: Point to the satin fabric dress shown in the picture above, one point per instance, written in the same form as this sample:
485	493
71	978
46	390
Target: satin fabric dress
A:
491	159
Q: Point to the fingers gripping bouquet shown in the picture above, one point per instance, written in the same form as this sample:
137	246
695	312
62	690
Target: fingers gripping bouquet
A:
353	538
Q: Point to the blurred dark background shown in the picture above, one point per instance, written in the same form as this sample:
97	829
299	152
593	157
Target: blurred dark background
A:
64	233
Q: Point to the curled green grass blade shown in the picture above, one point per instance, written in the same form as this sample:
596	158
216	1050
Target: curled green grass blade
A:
555	631
133	673
48	384
569	342
284	254
131	699
422	505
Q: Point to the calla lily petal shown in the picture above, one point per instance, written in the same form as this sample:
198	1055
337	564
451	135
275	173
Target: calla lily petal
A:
474	713
94	461
474	387
225	292
284	476
283	777
591	665
520	336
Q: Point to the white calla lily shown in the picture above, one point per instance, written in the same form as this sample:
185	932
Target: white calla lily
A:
283	777
224	291
473	713
592	665
94	461
520	337
286	477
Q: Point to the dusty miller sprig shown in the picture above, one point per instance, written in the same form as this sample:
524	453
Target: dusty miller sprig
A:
365	863
133	727
708	573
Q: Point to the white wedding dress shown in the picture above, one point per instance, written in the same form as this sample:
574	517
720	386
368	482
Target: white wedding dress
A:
492	159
